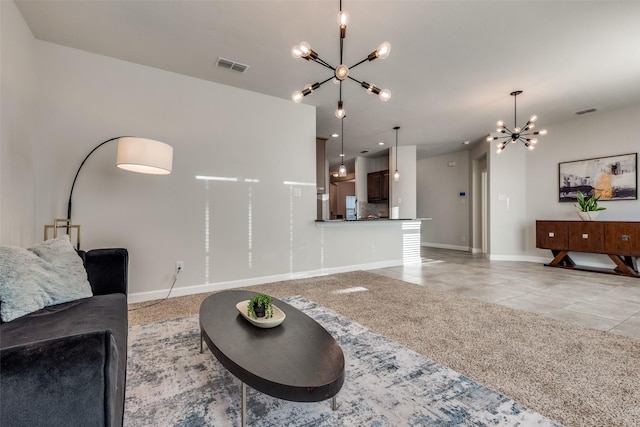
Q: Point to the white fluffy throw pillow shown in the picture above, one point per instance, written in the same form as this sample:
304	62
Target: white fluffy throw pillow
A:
46	274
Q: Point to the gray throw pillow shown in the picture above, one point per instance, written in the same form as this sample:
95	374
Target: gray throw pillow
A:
46	274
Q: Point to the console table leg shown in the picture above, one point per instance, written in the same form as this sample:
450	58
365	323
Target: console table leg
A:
334	403
201	348
627	268
244	405
561	258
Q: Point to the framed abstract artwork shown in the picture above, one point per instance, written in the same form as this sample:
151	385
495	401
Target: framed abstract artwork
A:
610	178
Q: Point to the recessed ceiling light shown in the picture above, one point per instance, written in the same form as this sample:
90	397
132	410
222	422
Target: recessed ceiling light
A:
466	143
381	143
334	135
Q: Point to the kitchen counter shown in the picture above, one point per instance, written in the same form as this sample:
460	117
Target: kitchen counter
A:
320	223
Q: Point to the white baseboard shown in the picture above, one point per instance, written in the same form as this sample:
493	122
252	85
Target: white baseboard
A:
219	286
442	246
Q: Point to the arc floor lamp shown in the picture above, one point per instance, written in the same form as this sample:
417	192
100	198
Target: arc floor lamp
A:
135	154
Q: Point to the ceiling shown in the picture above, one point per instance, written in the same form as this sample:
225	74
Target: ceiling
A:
451	68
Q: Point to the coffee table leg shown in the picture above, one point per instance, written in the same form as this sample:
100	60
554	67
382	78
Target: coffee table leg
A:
201	350
334	403
244	405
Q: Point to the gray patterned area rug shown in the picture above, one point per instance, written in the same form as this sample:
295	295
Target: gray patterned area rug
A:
169	383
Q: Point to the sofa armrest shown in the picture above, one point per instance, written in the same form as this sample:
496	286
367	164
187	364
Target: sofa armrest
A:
107	270
63	381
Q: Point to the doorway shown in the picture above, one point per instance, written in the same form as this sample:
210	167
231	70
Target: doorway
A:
484	211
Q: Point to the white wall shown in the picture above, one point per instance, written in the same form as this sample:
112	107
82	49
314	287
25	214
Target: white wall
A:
402	194
478	158
438	197
227	233
17	111
508	194
523	186
593	135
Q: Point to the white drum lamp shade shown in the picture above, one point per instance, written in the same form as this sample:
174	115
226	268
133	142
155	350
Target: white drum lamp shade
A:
144	155
135	154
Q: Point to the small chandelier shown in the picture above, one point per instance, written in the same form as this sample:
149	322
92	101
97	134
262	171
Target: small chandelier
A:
396	174
341	72
517	134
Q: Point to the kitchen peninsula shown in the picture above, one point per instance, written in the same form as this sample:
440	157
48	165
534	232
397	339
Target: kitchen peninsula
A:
397	240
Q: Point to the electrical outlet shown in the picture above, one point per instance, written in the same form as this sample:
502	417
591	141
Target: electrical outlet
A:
179	266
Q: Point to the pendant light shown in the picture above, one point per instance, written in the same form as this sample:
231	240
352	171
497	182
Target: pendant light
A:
342	170
396	174
340	72
517	134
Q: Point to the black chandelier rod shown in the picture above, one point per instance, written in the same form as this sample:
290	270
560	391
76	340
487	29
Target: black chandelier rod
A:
358	63
515	110
355	80
342	139
322	62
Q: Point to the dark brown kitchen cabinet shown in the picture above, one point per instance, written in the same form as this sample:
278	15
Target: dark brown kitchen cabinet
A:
378	187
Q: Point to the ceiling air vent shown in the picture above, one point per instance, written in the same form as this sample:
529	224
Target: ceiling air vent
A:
364	151
231	65
586	111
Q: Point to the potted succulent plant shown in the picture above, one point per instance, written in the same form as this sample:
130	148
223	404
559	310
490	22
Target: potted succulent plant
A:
260	305
588	208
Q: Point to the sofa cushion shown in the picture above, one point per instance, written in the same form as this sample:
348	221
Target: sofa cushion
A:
46	274
78	335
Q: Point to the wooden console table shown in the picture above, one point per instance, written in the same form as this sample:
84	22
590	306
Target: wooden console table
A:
620	240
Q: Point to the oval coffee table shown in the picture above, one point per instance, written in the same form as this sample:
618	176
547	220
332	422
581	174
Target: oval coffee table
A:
297	360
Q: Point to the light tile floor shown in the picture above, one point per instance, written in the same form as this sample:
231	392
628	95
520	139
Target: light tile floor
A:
595	300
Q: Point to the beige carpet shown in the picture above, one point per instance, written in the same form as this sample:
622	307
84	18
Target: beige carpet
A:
574	375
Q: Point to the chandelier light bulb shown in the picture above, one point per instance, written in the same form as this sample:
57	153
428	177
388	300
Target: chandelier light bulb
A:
297	96
342	72
383	50
305	49
541	132
296	52
533	118
342	170
516	130
343	19
530	147
385	95
340	113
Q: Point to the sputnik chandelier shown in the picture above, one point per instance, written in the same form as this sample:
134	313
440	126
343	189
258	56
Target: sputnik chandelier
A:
341	72
517	134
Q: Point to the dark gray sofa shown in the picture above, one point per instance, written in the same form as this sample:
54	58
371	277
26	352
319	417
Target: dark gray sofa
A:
65	365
